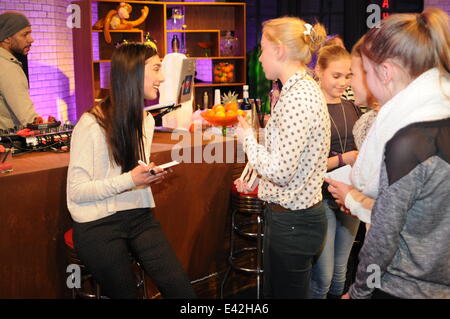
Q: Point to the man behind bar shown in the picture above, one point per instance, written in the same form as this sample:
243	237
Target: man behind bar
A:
16	106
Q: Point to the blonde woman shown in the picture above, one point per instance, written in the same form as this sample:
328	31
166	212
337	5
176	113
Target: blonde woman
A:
293	161
405	160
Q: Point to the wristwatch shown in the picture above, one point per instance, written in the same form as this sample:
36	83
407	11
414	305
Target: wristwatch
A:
341	160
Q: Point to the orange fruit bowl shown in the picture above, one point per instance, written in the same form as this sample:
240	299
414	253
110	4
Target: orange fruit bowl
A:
220	120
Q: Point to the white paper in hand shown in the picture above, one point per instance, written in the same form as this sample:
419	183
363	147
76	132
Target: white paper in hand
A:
341	174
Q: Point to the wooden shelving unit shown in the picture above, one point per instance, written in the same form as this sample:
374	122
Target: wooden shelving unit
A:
204	23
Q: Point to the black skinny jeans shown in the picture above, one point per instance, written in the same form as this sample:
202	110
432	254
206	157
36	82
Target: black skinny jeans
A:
291	242
104	246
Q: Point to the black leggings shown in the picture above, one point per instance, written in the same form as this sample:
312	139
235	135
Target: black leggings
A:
104	247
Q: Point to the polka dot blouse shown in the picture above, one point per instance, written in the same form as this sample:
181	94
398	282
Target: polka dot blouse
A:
293	162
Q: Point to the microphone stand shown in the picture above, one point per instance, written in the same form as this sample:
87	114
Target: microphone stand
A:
166	109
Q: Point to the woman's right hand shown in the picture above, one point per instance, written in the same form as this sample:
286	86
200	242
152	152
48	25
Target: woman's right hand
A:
141	175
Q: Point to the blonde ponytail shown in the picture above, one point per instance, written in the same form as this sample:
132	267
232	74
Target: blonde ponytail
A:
418	42
436	21
301	41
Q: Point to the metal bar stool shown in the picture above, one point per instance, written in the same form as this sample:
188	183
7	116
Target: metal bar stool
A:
246	212
89	288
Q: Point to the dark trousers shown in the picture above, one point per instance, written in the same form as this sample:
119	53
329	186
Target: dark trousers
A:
104	246
291	242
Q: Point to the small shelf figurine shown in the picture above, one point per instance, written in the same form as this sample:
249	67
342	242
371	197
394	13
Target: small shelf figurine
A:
118	20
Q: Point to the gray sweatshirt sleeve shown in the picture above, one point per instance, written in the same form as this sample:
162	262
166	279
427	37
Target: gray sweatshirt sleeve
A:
382	240
14	88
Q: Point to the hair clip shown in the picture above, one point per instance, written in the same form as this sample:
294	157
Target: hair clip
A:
308	29
421	20
119	44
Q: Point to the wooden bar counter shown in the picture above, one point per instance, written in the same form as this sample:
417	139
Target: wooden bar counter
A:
191	204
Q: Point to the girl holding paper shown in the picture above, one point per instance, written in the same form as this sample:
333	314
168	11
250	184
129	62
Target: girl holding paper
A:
329	272
404	161
356	203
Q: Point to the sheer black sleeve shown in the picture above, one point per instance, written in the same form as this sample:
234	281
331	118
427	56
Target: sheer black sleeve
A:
414	144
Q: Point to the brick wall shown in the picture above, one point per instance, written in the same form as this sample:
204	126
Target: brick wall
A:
441	4
50	61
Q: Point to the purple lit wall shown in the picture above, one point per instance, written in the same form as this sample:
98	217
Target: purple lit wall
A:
442	4
50	61
105	67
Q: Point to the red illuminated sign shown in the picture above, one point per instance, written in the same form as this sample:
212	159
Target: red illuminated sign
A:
385	6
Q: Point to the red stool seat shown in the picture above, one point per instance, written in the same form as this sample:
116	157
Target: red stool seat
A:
254	193
68	238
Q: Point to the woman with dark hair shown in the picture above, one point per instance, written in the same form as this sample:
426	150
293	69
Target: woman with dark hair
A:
108	193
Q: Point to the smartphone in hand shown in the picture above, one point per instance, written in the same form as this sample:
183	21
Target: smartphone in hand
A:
163	166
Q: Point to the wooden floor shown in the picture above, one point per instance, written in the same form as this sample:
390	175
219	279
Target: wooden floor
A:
237	281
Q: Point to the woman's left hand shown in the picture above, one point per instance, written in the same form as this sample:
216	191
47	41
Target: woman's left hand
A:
346	296
343	208
338	189
243	122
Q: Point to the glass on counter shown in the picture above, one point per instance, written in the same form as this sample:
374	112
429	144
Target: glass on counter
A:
5	160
